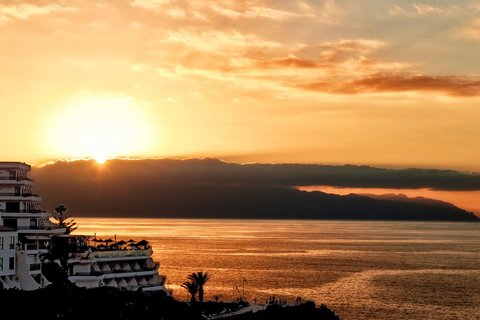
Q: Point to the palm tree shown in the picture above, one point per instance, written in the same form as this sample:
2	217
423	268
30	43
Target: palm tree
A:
200	279
62	219
192	289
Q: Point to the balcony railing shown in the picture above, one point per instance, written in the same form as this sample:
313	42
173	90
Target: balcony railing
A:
19	178
38	227
24	211
18	194
117	272
118	253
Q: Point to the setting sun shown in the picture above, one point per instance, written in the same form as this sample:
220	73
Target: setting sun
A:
100	159
100	128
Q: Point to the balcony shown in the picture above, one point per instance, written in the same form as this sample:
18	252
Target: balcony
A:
79	278
26	211
153	266
16	181
16	178
40	229
118	254
20	197
19	194
128	274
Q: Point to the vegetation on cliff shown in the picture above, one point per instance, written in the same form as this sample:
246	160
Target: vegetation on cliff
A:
70	302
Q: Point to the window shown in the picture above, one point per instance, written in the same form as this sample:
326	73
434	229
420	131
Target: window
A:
1	264
1	243
11	263
12	242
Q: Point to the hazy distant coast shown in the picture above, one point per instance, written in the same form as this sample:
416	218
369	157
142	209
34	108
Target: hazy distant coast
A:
210	188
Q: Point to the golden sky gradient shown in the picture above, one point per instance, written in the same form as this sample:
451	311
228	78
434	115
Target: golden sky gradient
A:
390	83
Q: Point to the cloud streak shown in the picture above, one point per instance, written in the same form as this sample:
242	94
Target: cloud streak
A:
423	9
380	83
24	11
213	40
253	12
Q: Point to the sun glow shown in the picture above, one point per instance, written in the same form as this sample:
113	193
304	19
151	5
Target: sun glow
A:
100	159
100	129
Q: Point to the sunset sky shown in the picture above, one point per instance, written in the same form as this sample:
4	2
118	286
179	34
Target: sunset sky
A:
385	83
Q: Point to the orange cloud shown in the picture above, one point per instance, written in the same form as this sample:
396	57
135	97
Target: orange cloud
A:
291	61
217	40
344	54
449	85
231	56
343	49
251	12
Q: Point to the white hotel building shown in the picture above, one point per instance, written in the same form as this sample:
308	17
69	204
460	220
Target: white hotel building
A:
26	232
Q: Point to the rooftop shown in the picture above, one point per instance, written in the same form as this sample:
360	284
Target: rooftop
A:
14	165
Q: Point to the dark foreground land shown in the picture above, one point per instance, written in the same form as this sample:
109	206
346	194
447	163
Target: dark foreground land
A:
304	311
58	302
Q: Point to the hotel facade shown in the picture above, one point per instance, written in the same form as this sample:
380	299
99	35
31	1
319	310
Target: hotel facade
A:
27	235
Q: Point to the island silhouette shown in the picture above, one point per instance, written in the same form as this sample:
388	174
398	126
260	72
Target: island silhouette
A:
210	188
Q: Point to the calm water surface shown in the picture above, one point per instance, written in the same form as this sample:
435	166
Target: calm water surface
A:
361	270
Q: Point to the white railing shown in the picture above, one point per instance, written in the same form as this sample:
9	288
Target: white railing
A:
115	253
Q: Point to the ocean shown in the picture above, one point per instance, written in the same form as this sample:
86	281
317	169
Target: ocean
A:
359	269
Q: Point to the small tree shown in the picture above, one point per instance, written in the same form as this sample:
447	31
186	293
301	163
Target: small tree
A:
192	289
55	261
63	219
200	279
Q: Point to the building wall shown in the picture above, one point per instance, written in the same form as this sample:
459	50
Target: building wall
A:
88	284
7	252
23	272
23	223
4	174
6	189
81	269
